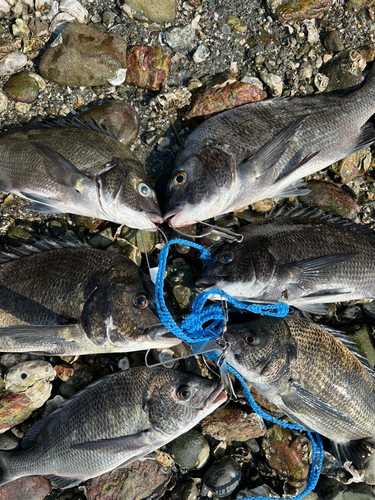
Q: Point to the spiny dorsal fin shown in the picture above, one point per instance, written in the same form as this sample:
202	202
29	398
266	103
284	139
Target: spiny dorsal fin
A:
60	122
40	245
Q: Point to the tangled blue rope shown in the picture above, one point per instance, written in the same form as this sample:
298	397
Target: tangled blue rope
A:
193	330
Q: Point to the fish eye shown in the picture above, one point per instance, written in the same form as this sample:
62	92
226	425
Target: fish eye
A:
183	393
180	178
140	301
251	338
226	257
144	190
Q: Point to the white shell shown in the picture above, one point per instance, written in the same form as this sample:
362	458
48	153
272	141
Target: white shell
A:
57	21
75	9
3	102
11	63
4	7
119	78
46	4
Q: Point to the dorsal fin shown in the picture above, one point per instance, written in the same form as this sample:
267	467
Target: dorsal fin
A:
60	122
317	213
40	245
352	346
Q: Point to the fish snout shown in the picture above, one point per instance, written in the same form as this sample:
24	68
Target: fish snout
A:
155	217
172	214
217	397
160	334
204	282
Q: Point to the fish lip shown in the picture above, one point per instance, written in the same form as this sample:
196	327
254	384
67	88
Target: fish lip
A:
161	334
175	210
217	396
206	282
154	217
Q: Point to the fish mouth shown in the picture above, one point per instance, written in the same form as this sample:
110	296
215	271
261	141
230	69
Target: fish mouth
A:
161	335
216	397
206	282
171	215
154	217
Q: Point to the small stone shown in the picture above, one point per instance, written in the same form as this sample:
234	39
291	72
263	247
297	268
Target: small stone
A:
321	82
75	9
260	491
190	450
30	487
330	198
344	70
67	390
77	374
352	166
201	54
369	310
332	41
4	7
287	452
223	477
158	11
3	103
263	205
233	424
38	26
140	480
148	67
20	29
125	248
12	63
8	441
124	363
365	341
53	404
184	491
22	88
83	55
274	83
181	39
10	359
134	236
219	98
22	107
236	23
358	5
312	31
119	117
296	10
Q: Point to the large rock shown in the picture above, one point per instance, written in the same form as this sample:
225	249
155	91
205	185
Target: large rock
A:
84	55
139	481
29	487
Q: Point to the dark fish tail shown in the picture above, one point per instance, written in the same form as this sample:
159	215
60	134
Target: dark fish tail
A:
5	474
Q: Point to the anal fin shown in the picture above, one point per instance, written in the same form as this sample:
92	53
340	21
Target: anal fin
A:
366	138
63	482
356	451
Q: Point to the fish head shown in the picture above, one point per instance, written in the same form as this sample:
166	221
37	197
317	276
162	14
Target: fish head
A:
231	270
122	313
200	187
176	401
126	195
260	350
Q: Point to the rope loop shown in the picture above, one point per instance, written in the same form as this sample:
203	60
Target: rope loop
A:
206	323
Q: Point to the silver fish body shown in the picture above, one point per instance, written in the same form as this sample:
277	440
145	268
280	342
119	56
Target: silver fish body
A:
303	260
310	375
66	300
111	423
75	167
263	149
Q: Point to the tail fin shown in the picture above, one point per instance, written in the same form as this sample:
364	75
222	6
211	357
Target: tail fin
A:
5	473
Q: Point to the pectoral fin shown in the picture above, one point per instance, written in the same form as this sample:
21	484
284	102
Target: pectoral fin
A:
61	170
36	338
46	205
131	443
303	402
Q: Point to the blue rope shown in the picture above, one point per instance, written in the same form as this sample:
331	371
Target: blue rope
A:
193	331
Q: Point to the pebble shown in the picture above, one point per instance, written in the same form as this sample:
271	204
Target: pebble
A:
332	41
180	39
10	359
83	55
12	63
222	478
77	374
53	404
201	54
344	70
184	491
29	487
233	424
147	67
158	11
124	363
3	103
364	340
353	165
190	450
119	117
4	7
22	88
8	441
260	491
330	198
141	480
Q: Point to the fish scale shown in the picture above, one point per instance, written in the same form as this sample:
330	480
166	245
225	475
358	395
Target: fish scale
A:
273	145
311	375
110	423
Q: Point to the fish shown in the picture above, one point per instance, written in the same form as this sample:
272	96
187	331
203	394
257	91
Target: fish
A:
62	299
79	167
111	423
304	258
316	377
263	150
